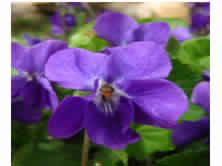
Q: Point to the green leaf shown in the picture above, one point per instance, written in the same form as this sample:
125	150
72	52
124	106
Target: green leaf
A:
195	113
197	155
173	22
87	39
195	53
173	47
184	76
109	157
53	153
153	140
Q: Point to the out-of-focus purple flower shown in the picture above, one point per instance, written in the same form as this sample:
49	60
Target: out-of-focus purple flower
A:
182	33
125	84
120	29
61	24
200	18
188	131
31	40
31	90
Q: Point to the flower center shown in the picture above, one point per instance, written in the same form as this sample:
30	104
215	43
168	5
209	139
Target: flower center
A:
107	98
106	92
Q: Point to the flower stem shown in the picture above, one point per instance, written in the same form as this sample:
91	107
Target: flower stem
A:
85	150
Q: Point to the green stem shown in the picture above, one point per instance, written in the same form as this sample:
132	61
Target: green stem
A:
85	150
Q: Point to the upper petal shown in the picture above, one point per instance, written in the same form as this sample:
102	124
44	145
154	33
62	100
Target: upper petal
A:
76	68
115	27
40	53
186	132
110	128
67	120
18	53
33	59
201	95
139	60
161	102
158	32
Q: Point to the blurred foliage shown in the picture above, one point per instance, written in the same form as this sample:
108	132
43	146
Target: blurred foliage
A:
153	140
195	155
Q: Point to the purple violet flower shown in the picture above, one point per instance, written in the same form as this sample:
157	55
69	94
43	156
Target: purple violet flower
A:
188	131
31	90
126	84
120	29
31	40
200	19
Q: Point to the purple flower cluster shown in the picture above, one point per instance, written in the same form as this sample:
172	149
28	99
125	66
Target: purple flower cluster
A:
31	90
188	131
126	84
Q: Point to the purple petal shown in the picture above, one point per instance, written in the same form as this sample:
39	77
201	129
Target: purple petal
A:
31	40
201	95
158	32
17	84
33	60
51	95
76	68
206	75
115	27
139	60
40	53
25	113
161	102
182	33
57	24
111	129
18	53
187	131
70	21
67	120
199	20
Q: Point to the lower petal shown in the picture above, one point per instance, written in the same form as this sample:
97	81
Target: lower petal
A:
23	113
110	128
187	132
201	95
160	101
67	120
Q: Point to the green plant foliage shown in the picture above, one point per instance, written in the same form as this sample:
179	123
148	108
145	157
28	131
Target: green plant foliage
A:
153	140
87	39
109	157
184	76
195	113
195	155
173	22
195	53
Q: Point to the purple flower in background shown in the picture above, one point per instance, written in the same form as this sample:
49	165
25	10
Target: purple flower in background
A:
62	23
120	29
31	90
31	40
200	18
182	33
188	131
125	84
